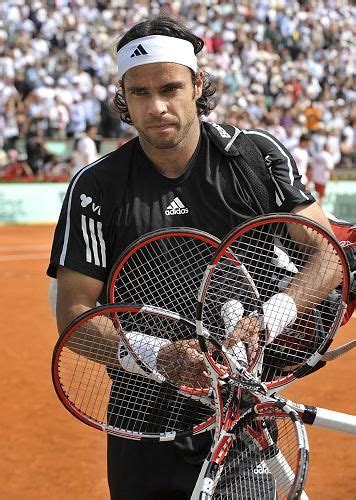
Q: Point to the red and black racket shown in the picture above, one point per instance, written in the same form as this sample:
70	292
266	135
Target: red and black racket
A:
280	284
285	279
131	371
264	456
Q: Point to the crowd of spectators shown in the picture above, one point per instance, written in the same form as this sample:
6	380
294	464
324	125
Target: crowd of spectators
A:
286	66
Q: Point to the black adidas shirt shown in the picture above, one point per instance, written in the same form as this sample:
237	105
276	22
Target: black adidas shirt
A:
121	196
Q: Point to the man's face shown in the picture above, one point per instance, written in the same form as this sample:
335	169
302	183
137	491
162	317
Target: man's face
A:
161	100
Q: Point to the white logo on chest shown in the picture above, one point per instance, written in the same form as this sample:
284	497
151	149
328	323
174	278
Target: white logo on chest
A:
176	208
87	200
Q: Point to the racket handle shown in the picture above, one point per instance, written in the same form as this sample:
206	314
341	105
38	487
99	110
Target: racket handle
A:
335	420
322	417
199	485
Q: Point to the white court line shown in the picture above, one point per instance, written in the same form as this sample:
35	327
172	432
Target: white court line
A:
25	256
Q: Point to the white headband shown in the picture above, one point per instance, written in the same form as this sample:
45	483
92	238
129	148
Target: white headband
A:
153	49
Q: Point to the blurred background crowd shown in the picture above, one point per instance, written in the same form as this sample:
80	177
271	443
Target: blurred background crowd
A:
285	66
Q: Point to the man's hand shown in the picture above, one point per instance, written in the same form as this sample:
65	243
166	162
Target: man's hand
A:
247	331
183	364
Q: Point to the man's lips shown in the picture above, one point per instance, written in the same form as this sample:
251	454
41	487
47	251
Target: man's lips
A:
160	125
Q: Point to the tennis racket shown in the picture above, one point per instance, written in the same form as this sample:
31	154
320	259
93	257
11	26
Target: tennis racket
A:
165	269
90	381
264	456
132	371
300	278
263	284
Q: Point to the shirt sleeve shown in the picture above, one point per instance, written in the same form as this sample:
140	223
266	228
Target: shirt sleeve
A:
289	190
79	240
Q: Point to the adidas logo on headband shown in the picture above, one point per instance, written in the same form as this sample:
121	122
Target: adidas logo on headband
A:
139	51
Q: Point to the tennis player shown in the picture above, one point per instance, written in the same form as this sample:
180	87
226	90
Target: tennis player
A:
173	174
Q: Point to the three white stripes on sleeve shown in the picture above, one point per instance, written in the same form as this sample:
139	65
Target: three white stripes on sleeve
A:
95	249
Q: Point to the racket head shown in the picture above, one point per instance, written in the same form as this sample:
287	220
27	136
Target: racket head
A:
267	459
91	385
163	268
266	248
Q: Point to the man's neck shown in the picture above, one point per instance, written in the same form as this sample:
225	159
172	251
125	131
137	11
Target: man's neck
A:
173	162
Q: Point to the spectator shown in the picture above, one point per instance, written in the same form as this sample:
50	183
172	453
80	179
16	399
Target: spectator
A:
85	151
347	146
314	115
37	113
58	118
321	166
16	168
77	117
110	125
56	170
301	155
36	153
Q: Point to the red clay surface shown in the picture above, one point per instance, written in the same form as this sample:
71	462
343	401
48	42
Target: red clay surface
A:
48	455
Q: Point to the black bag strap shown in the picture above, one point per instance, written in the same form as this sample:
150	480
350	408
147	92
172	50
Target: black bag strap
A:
235	144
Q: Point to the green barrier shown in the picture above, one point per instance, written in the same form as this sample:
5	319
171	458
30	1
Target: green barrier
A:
340	199
31	203
41	202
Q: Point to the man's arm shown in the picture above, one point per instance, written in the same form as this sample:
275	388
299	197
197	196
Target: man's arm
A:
76	293
311	285
319	275
314	212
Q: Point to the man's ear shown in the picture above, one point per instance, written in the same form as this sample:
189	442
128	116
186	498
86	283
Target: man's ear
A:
198	87
121	86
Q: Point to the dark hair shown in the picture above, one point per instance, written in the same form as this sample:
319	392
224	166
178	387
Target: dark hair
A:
167	26
304	137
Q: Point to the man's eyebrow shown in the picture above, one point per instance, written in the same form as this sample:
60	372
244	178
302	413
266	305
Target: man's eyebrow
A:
178	84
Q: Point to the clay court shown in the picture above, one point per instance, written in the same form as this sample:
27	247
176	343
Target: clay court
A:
48	455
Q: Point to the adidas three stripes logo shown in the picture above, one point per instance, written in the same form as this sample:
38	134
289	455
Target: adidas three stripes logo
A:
139	51
95	248
176	208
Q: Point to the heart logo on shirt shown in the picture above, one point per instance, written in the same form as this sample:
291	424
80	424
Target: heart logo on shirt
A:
85	200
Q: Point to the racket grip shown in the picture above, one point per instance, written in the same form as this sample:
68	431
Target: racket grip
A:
336	421
199	485
232	312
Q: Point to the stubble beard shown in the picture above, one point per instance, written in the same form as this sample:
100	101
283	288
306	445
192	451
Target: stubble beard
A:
173	140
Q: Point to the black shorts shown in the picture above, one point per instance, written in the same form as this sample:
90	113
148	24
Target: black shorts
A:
169	471
155	471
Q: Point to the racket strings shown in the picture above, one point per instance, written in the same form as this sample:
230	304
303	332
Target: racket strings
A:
91	378
82	366
165	273
148	409
267	260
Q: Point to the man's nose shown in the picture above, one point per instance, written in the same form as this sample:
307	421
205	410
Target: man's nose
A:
157	106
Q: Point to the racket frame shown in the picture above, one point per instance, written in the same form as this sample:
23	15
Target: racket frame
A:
113	310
